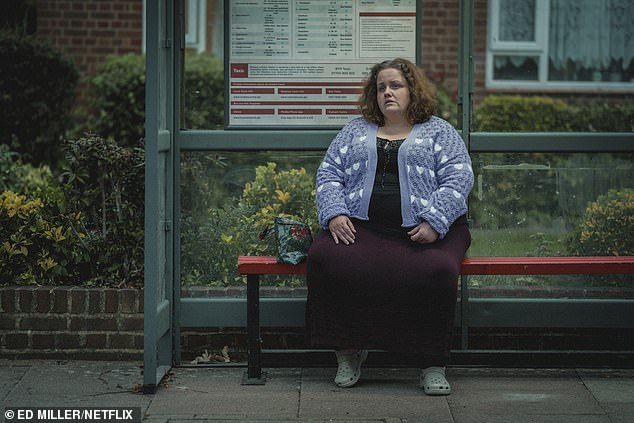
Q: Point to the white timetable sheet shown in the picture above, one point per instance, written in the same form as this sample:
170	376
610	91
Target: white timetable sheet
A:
301	62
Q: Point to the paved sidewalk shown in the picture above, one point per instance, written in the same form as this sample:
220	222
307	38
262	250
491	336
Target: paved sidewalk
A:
308	394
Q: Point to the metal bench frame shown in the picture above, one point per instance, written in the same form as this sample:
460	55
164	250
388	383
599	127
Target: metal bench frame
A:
254	266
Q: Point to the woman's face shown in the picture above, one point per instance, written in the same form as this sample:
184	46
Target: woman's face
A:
392	93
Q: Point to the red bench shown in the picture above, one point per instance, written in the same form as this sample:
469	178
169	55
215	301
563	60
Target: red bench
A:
254	266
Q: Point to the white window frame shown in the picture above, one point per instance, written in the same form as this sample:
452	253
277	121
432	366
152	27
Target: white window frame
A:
539	48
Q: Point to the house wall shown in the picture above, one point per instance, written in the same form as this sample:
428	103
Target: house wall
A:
88	31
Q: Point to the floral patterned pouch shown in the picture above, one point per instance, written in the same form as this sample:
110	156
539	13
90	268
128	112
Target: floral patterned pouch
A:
293	240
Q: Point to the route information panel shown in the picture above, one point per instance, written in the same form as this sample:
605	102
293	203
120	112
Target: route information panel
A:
301	63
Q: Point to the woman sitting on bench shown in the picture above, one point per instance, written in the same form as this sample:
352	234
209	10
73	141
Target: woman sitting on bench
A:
391	198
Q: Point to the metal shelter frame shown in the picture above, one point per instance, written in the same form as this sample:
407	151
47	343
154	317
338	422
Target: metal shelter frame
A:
166	312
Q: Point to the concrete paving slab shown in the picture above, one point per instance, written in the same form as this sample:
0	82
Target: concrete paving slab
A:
198	392
10	375
78	383
194	395
620	412
614	390
381	393
522	396
609	385
214	420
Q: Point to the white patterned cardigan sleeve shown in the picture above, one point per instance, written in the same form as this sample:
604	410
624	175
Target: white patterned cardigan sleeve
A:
453	175
331	179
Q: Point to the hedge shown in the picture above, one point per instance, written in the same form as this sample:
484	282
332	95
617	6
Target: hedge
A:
37	87
119	96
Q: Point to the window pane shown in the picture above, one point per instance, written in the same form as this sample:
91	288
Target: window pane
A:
517	20
591	40
515	68
553	205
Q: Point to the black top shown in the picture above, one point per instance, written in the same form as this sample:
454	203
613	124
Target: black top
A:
384	211
385	204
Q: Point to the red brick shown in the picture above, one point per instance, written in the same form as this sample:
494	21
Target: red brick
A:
7	321
60	300
96	340
123	341
74	32
16	341
95	303
104	34
92	324
131	323
141	301
128	300
67	341
105	16
111	300
43	323
25	299
42	341
104	5
7	300
78	300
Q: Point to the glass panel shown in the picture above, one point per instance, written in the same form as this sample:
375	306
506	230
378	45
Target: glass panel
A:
552	205
591	40
203	79
517	20
515	68
227	199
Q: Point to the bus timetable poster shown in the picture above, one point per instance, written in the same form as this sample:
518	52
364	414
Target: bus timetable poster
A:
295	63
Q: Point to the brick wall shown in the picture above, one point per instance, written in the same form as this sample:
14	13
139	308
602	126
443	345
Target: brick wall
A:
440	33
88	31
439	42
107	324
71	322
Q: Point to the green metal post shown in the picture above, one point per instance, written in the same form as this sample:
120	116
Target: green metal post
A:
465	102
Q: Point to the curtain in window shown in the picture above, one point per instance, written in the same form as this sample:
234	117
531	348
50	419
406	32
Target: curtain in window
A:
517	20
591	33
516	23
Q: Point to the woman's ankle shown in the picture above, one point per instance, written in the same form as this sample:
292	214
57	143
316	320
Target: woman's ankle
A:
346	352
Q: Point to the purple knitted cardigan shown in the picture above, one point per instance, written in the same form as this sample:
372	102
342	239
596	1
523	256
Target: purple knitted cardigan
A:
434	171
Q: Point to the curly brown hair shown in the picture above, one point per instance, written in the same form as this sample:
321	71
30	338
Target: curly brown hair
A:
422	92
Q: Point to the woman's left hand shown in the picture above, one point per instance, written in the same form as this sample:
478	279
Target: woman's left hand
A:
423	234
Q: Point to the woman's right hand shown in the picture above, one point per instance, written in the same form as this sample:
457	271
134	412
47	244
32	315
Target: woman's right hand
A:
342	229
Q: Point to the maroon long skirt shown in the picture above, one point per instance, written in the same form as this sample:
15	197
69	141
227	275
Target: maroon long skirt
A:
384	292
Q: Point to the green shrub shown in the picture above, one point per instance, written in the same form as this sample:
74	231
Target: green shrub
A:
275	193
446	106
37	87
40	243
606	226
119	96
119	99
106	182
513	113
204	92
234	229
21	177
601	116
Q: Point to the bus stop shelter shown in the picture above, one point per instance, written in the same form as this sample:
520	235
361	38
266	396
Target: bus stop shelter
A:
166	312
